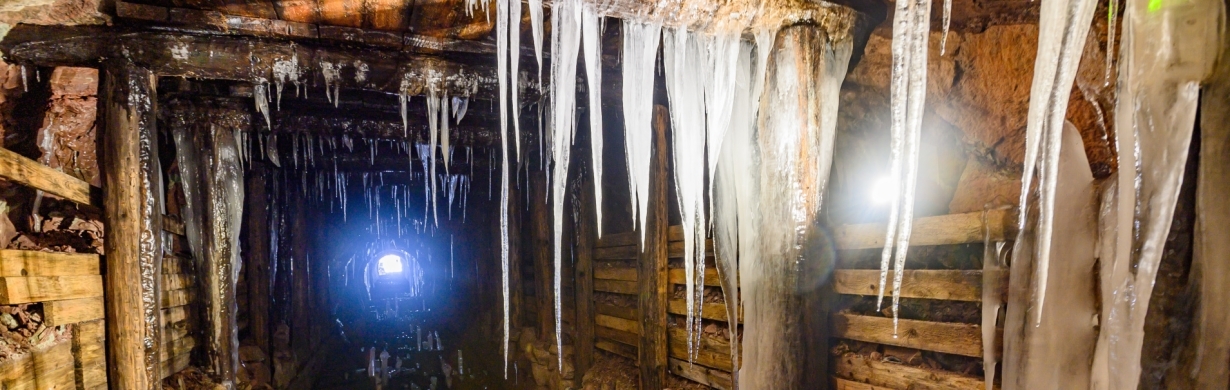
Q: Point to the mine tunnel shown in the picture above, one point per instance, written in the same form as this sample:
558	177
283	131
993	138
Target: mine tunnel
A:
614	194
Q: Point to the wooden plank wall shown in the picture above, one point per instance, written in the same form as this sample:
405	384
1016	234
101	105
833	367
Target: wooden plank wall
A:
179	300
618	330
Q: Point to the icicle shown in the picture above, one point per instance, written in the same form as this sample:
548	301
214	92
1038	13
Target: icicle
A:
640	52
514	62
720	97
592	38
502	74
403	98
947	22
684	59
444	138
283	71
24	84
565	44
911	28
460	105
260	91
536	24
1112	19
333	77
433	115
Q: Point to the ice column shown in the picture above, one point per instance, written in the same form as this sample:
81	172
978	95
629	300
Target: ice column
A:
591	39
1164	54
565	44
640	53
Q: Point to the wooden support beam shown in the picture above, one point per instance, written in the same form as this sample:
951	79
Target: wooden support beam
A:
951	285
714	378
584	278
946	337
540	247
134	223
174	298
31	263
33	174
652	271
256	258
852	366
73	311
26	289
709	311
89	339
938	230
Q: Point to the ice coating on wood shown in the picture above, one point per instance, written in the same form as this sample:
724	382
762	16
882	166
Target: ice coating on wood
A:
1162	59
992	300
805	71
1062	30
285	70
685	63
911	28
640	53
591	31
734	191
565	45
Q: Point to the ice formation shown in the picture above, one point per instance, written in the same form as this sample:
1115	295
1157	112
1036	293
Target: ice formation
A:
333	76
1163	57
685	58
445	151
591	31
640	53
433	119
565	44
911	29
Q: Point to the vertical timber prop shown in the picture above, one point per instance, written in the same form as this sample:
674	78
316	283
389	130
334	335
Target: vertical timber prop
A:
133	216
540	227
652	264
795	137
260	290
584	277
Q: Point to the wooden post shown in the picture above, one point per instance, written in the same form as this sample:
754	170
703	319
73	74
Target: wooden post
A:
651	271
584	278
257	258
516	287
133	216
540	221
300	300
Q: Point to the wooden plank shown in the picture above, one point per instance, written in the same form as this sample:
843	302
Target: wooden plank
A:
583	277
709	311
14	290
32	263
939	230
854	367
41	369
843	384
175	298
177	281
126	97
173	225
616	253
680	276
72	311
174	314
704	356
89	352
627	313
700	374
618	324
176	364
176	347
946	337
256	256
540	252
626	338
615	286
952	285
617	348
627	274
652	266
32	174
176	264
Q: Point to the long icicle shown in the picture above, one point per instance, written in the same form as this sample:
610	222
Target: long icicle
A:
565	43
514	64
502	74
640	51
591	41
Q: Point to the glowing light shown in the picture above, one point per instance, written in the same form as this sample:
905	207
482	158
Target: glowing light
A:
389	264
883	191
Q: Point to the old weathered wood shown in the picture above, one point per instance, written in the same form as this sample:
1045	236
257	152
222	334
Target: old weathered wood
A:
72	311
90	367
952	285
615	286
25	289
714	378
704	356
946	337
30	263
708	311
627	351
843	384
173	225
516	262
540	248
174	298
173	264
175	314
679	276
616	273
617	323
178	281
301	310
49	368
178	347
256	258
31	173
134	223
938	230
623	337
852	366
627	313
583	276
652	272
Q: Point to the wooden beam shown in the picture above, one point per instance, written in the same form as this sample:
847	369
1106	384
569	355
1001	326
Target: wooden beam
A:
615	286
33	174
652	272
584	278
134	222
256	258
951	285
31	263
540	247
89	339
709	311
73	311
853	367
174	298
714	378
26	289
939	230
844	384
946	337
173	225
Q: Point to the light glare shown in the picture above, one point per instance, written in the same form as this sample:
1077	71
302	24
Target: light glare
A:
389	264
883	191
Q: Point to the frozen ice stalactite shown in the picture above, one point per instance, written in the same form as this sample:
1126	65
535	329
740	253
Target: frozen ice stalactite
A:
285	70
536	28
1063	27
460	105
734	191
1163	56
804	74
333	76
260	94
911	28
444	136
591	32
433	116
503	76
685	58
514	63
947	22
640	53
565	44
